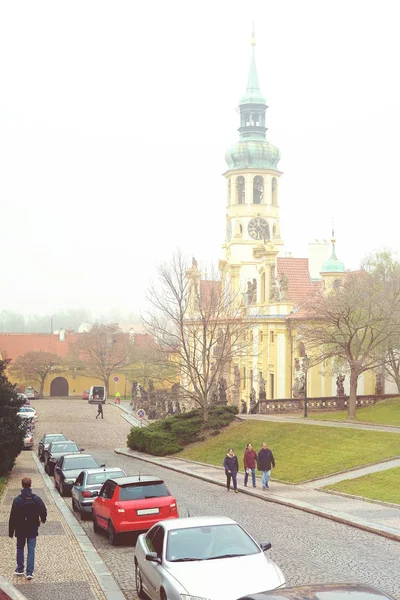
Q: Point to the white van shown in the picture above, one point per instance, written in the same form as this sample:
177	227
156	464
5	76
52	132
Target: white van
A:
97	394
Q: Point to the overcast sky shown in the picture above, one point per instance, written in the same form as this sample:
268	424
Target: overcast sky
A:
115	118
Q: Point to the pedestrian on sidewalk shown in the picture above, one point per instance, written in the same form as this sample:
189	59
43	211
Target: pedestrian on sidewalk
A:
231	469
27	512
100	410
117	398
249	461
265	461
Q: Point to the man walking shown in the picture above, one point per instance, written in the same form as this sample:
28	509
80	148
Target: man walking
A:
27	512
100	410
265	461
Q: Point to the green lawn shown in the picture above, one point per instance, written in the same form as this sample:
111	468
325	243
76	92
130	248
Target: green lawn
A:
384	486
301	451
385	412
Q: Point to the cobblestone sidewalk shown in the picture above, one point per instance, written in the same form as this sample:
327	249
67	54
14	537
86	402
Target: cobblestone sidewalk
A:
61	570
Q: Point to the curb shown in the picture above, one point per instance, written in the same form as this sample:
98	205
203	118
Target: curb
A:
106	581
387	532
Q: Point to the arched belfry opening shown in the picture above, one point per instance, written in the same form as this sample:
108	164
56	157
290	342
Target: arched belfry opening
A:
240	190
258	189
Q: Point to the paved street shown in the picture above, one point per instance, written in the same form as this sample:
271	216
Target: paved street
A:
308	548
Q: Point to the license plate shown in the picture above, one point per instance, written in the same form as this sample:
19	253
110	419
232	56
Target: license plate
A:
148	511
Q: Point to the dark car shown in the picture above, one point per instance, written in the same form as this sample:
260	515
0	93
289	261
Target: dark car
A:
56	450
67	469
88	485
46	440
323	591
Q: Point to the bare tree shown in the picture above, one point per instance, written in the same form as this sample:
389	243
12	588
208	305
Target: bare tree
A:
102	351
35	366
199	326
355	322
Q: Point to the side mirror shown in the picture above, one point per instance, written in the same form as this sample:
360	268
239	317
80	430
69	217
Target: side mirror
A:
95	494
265	546
152	557
103	465
81	449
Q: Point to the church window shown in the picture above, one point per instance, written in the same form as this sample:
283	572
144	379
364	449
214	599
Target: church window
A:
274	191
258	190
240	190
337	283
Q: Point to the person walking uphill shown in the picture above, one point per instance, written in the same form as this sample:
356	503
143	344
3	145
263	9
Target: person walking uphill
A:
27	512
99	410
265	461
231	469
249	461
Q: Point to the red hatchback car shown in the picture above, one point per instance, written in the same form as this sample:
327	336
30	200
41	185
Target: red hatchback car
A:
128	504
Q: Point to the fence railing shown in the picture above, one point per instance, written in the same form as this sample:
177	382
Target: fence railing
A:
318	404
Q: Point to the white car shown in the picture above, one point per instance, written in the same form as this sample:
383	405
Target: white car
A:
28	412
207	558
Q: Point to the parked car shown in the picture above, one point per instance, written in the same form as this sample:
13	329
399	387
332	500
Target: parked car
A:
88	485
28	411
97	393
46	440
322	591
202	557
22	396
55	451
85	395
68	468
130	504
31	393
28	439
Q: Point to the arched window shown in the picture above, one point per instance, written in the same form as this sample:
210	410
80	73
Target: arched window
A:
337	284
240	190
256	119
274	190
258	190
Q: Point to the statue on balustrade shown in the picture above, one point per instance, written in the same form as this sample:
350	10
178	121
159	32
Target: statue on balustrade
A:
243	409
339	384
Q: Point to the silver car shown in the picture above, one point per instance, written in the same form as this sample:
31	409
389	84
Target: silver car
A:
209	558
88	485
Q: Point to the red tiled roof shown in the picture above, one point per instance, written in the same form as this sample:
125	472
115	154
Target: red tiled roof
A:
300	284
13	345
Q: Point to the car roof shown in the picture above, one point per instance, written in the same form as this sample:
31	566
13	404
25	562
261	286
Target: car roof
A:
54	434
74	455
103	469
186	522
129	480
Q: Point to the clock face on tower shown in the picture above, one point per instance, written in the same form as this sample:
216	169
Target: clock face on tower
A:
258	228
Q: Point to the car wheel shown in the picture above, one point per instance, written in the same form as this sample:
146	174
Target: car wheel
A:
163	595
113	537
83	515
138	581
96	528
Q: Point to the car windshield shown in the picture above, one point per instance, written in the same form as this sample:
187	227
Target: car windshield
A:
140	491
67	447
99	478
79	462
208	543
52	438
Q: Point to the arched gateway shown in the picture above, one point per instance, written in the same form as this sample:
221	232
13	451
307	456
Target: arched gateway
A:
59	387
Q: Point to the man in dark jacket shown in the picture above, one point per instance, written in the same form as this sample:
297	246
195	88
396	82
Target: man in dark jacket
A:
265	461
99	410
231	470
27	511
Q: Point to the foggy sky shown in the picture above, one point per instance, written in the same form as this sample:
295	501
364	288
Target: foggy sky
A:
115	118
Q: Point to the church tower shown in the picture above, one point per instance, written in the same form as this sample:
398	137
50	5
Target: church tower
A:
252	214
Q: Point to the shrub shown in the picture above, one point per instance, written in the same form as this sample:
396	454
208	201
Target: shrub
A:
170	435
11	432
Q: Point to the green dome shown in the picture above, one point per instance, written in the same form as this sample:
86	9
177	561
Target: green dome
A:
253	154
253	96
333	264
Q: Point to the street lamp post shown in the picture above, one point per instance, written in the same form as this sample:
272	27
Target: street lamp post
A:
306	364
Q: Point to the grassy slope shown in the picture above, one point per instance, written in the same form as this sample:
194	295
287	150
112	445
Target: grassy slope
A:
384	486
301	451
386	412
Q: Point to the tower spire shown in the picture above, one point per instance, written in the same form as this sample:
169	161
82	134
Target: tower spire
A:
253	86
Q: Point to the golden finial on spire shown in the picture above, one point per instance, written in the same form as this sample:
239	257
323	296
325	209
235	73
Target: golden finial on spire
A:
333	240
253	37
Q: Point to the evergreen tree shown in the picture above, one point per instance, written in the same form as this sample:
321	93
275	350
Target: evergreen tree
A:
11	429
